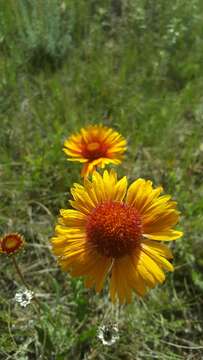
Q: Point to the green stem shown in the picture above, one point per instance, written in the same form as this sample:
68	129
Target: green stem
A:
19	272
23	280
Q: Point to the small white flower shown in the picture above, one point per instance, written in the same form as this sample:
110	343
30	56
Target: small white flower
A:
24	297
108	334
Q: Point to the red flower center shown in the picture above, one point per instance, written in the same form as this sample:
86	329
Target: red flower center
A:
11	243
114	229
94	150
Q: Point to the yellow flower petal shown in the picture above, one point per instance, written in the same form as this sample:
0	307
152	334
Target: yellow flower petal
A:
145	263
73	218
165	235
160	249
118	283
125	277
98	274
155	255
141	194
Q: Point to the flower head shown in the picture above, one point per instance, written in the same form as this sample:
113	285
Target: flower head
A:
108	334
114	230
11	243
95	146
24	297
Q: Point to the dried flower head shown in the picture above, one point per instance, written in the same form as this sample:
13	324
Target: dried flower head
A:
24	297
108	334
11	243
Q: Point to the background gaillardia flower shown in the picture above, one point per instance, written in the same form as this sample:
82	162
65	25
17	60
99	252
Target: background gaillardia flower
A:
95	145
117	230
11	243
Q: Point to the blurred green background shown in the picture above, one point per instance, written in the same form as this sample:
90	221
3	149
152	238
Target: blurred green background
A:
134	65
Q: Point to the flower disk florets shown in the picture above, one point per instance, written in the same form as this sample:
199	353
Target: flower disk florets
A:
114	229
94	150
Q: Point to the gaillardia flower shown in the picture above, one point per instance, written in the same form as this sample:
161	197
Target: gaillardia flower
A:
95	146
114	230
11	243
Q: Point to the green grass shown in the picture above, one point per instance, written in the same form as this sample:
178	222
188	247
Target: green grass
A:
139	71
